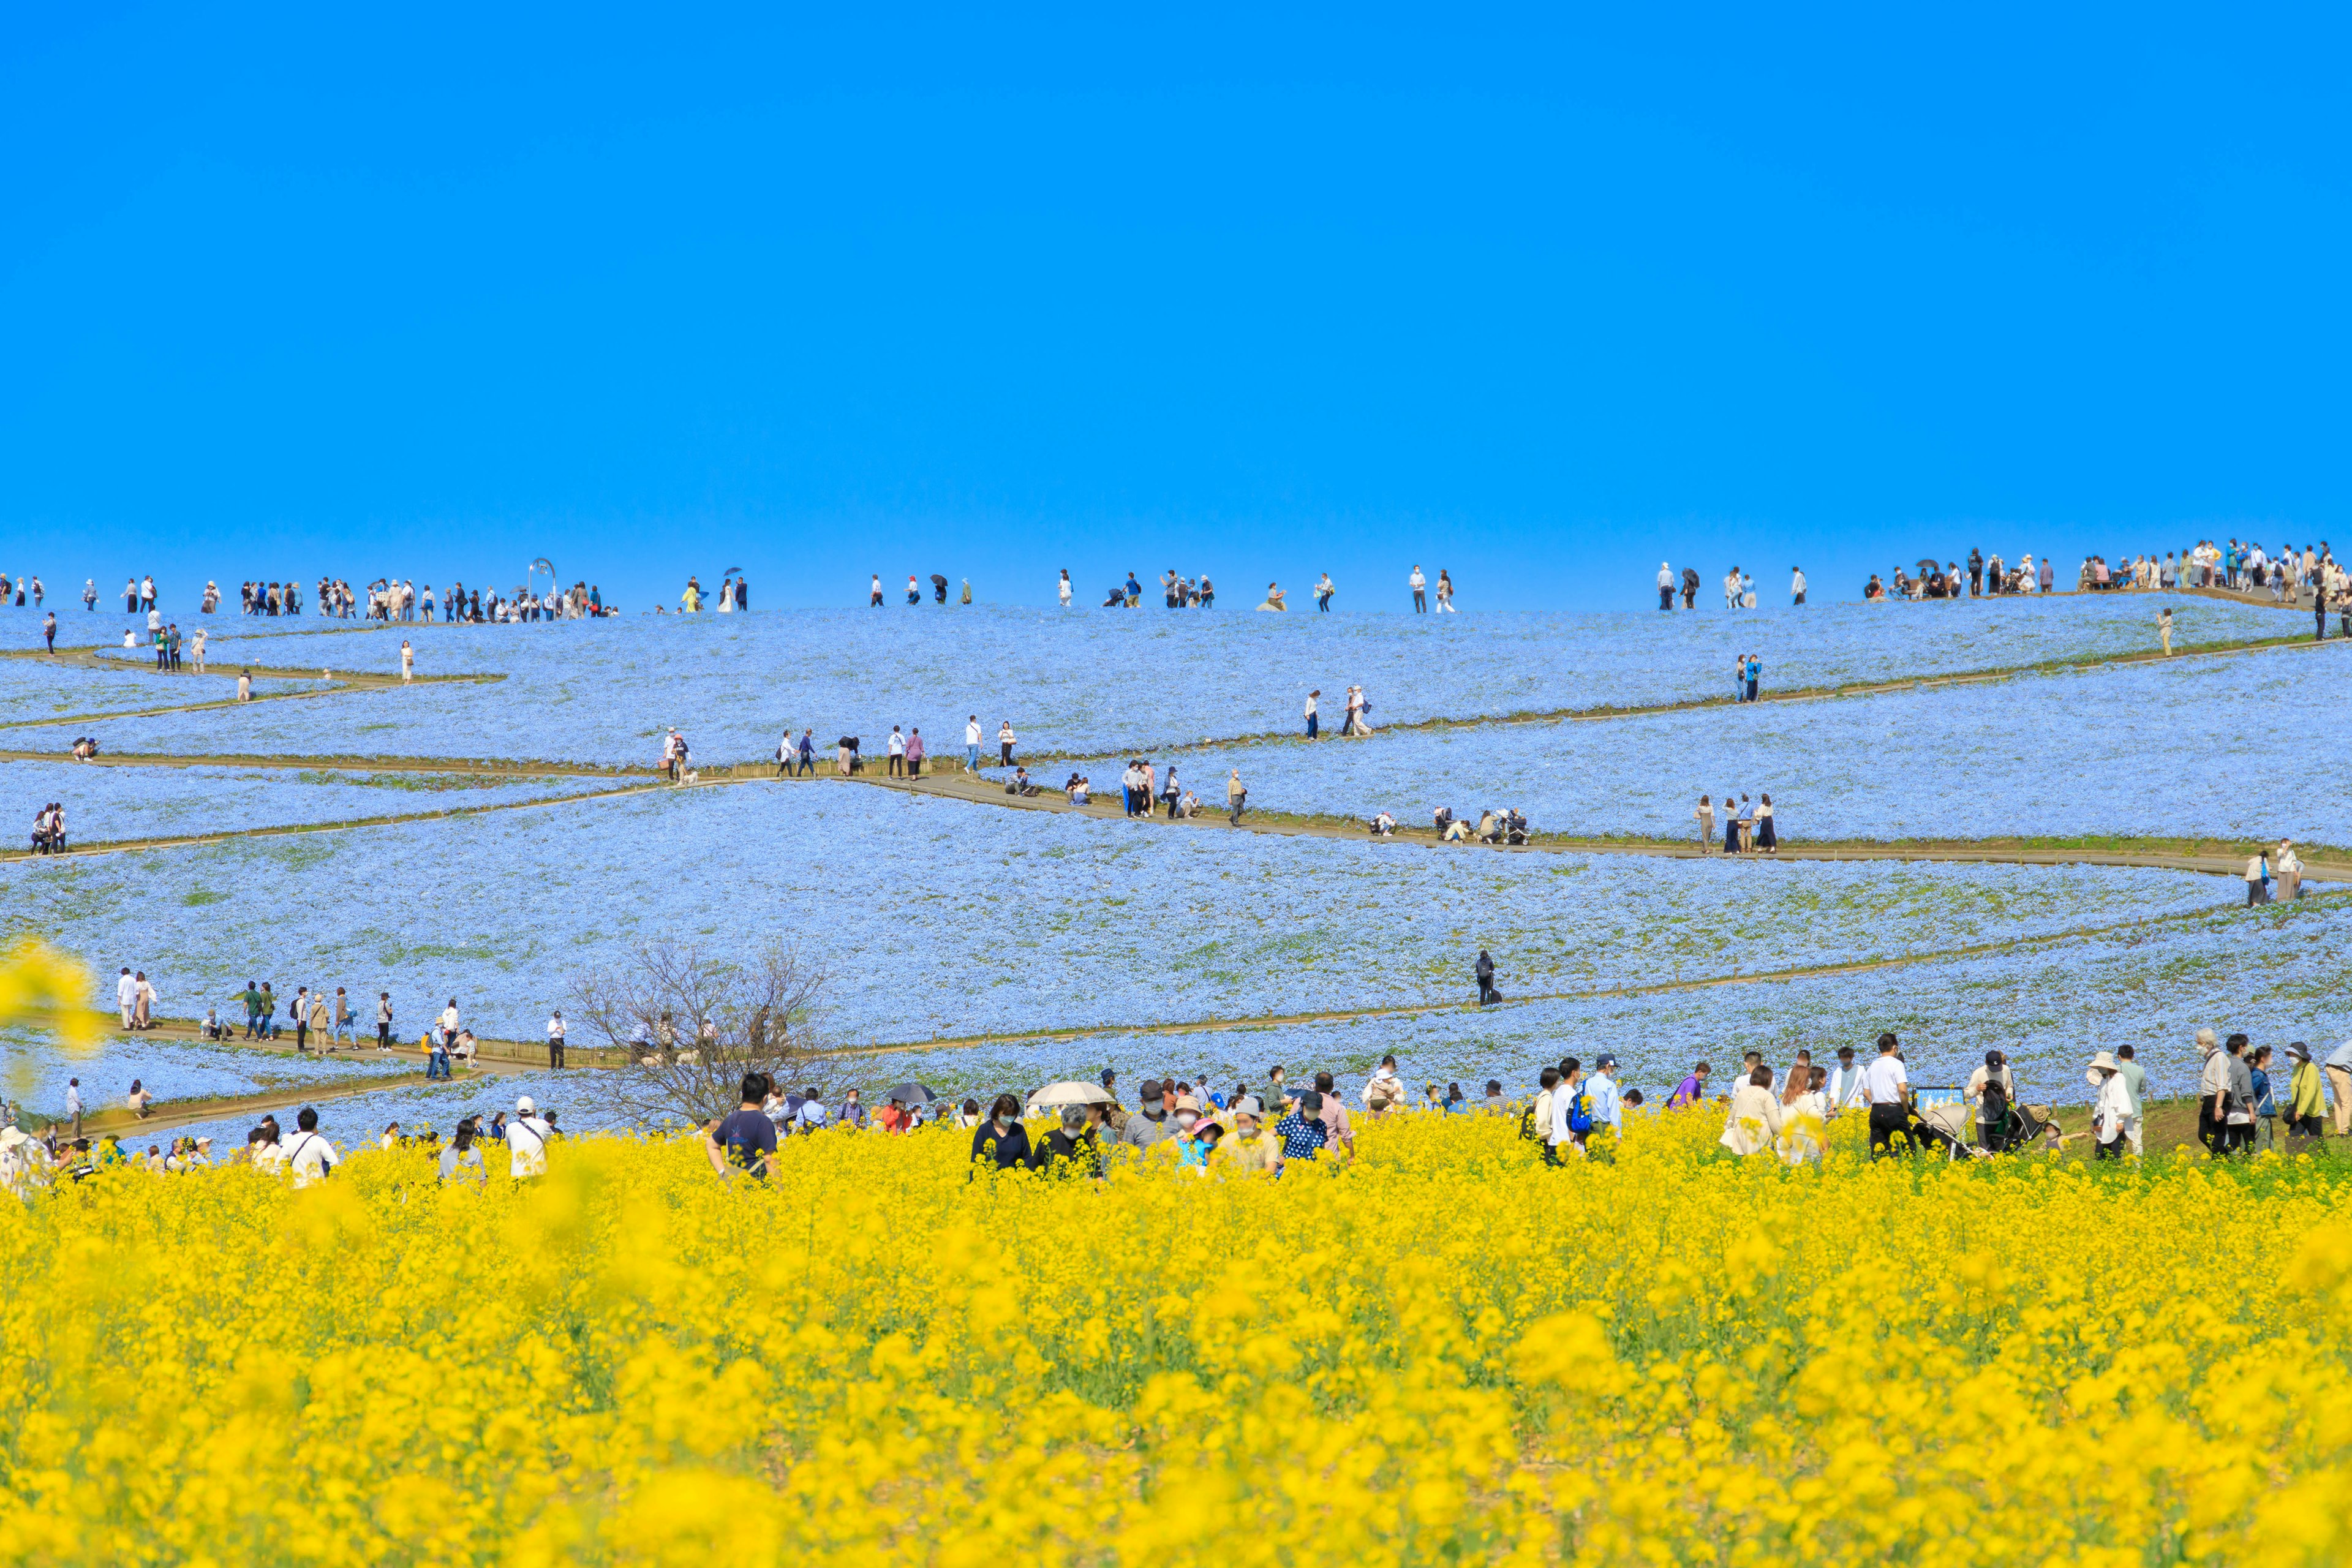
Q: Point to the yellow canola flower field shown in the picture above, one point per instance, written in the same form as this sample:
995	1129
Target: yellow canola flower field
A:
1444	1353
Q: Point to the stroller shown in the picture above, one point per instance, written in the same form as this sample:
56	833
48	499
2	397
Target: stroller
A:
1948	1121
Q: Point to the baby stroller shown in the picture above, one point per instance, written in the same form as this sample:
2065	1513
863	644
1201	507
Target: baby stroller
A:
1382	827
1948	1122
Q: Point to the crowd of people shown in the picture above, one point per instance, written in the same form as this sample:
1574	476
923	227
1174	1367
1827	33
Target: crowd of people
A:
306	1155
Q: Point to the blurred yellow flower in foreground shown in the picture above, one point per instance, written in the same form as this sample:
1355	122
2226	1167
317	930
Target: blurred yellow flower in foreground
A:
1442	1353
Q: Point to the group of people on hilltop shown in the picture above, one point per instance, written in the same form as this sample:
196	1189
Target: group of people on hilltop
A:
13	590
734	595
1178	591
1746	827
939	590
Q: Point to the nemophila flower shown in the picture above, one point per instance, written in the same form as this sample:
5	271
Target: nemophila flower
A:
2036	755
1443	1352
604	691
953	917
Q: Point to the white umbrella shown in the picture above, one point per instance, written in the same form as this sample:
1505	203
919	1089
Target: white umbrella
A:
1067	1093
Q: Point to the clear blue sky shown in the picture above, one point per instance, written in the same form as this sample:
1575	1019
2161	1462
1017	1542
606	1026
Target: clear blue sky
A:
1540	297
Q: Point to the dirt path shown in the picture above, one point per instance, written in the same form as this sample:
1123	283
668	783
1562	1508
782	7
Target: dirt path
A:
184	841
167	1115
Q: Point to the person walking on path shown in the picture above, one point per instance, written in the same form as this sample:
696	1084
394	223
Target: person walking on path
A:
2290	871
2049	575
1420	586
1004	739
1796	585
1235	795
1755	674
555	1033
73	1104
2164	629
1484	971
383	1020
1314	723
1730	825
914	753
1666	586
2134	1079
2112	1109
1767	839
2212	1091
2258	879
245	686
2265	1128
2337	1065
49	632
407	662
1706	815
898	748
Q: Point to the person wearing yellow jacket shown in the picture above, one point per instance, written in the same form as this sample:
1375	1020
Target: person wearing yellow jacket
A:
2306	1098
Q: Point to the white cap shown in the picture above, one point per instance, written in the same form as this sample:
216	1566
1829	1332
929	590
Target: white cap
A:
523	1107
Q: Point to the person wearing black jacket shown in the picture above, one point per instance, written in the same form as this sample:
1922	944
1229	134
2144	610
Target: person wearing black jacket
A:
1070	1150
1485	972
940	588
1690	587
1001	1143
1975	573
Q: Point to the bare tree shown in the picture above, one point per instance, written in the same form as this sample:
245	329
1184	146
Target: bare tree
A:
691	1025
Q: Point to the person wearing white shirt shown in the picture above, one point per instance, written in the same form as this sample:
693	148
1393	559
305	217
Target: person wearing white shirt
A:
555	1033
1796	584
1666	586
1886	1086
1419	585
2111	1116
450	1023
73	1103
1064	588
1754	1121
1550	1113
971	745
527	1137
309	1156
126	995
1845	1083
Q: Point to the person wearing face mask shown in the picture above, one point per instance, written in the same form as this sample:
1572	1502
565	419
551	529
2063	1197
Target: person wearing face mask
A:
1249	1150
1001	1142
1151	1123
1071	1150
1196	1135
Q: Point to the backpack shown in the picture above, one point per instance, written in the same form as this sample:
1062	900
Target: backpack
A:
1580	1114
1535	1122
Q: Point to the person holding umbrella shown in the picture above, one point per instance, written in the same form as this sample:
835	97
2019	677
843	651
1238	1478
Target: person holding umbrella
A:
1071	1150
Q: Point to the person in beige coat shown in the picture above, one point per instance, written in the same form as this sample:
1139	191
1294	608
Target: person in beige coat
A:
2290	871
1753	1125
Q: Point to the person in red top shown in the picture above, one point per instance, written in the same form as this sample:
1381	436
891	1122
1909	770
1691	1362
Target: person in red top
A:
895	1118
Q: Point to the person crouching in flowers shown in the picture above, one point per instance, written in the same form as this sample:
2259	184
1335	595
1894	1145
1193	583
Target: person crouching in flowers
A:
1754	1123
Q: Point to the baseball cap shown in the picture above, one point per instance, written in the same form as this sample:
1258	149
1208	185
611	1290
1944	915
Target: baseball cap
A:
524	1106
1605	1059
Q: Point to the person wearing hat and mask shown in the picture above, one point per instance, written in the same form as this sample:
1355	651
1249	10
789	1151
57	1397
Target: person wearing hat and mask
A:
1196	1135
1608	1105
2212	1089
1149	1124
2306	1101
2112	1110
16	1156
1071	1150
2237	1113
1249	1150
527	1138
1991	1089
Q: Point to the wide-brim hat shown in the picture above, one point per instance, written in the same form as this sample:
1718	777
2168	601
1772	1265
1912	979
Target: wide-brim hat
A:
2103	1062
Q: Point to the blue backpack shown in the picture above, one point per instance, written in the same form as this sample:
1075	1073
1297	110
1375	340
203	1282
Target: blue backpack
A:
1579	1113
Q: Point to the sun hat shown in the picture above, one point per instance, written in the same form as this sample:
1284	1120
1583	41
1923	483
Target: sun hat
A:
2103	1062
523	1107
1188	1102
11	1136
2299	1051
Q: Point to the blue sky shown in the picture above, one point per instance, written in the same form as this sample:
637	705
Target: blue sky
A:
1540	296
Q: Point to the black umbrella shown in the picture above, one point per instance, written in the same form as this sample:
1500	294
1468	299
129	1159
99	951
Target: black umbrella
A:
912	1094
